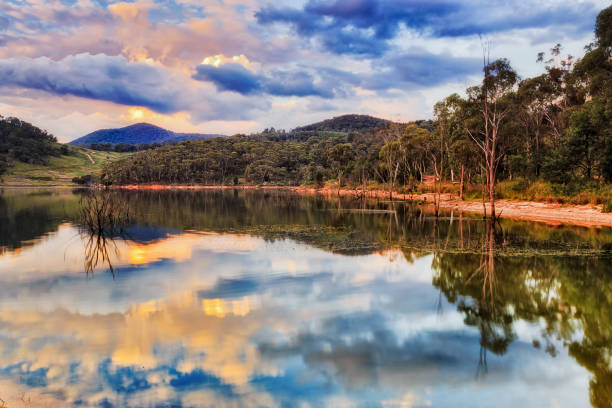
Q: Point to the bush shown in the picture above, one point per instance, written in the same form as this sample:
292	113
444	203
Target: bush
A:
607	206
3	166
87	179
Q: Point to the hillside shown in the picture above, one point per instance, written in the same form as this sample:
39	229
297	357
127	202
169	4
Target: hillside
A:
30	156
23	142
346	123
140	133
59	170
343	149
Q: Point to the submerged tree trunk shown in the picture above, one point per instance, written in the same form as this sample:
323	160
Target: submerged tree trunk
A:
492	195
484	189
461	183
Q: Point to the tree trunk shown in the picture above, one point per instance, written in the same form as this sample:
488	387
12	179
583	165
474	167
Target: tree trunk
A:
492	197
484	194
461	183
491	171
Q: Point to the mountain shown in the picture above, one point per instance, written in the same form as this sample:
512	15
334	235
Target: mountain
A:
347	123
140	133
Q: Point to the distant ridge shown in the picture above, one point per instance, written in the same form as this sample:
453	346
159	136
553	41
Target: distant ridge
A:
140	133
347	123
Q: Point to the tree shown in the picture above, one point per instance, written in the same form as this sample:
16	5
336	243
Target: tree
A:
463	151
603	27
448	128
586	148
536	97
340	157
494	98
391	154
586	140
414	150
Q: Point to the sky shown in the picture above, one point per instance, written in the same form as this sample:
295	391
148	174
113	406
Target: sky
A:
239	66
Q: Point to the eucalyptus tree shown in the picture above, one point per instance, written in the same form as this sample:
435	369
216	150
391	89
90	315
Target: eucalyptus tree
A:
494	97
391	154
341	157
585	148
446	146
536	99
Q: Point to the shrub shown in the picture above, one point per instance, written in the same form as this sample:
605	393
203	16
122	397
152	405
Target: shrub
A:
86	179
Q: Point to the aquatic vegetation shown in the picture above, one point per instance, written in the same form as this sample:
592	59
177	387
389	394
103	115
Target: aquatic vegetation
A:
103	212
103	215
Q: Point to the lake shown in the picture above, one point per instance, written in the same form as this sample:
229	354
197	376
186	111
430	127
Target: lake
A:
264	298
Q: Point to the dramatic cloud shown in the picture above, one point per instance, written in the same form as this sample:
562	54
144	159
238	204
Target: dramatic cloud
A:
134	84
229	77
366	26
101	77
420	69
413	69
241	65
234	77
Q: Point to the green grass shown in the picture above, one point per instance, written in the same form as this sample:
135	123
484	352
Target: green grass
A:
575	193
59	171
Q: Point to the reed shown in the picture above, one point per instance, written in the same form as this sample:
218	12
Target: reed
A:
103	216
103	213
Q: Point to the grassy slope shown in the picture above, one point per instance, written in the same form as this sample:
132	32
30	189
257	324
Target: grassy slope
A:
59	170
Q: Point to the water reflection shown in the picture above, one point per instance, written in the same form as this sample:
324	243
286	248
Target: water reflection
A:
99	250
269	299
103	217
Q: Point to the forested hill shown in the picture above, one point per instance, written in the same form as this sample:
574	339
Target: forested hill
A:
272	156
140	133
346	123
24	142
548	136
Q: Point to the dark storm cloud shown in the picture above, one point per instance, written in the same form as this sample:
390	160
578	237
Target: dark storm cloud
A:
366	26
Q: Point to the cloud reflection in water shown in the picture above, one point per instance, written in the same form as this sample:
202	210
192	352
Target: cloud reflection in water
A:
233	320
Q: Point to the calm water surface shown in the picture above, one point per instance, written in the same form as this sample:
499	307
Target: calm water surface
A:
268	299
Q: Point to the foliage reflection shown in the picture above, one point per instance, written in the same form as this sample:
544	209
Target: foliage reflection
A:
495	274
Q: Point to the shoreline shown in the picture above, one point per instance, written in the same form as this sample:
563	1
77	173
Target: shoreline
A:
550	213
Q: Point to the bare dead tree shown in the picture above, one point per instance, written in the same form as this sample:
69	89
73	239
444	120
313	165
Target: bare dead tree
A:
499	80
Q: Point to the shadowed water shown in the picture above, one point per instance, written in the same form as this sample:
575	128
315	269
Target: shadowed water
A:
270	299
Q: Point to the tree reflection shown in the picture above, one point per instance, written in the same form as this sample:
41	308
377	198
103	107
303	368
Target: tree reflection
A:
104	217
486	270
587	283
494	274
98	251
570	294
